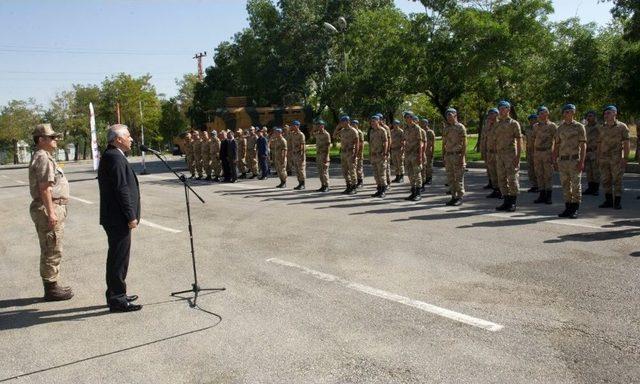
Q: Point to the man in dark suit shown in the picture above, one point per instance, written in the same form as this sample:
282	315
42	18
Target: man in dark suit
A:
119	214
232	157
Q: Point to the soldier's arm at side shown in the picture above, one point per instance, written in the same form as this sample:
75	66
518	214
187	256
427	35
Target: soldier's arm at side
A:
45	188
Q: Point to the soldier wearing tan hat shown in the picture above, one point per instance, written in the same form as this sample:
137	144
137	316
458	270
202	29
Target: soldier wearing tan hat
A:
50	192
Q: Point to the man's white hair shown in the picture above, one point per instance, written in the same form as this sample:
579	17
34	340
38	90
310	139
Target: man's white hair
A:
116	130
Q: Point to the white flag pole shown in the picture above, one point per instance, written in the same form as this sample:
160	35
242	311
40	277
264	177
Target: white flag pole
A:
94	139
144	167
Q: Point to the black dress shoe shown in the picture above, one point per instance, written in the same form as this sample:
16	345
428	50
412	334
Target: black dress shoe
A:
132	298
126	308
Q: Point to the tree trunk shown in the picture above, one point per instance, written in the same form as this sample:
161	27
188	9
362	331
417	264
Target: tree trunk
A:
76	155
84	149
480	128
15	151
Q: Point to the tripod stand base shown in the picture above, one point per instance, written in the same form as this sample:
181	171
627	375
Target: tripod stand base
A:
195	289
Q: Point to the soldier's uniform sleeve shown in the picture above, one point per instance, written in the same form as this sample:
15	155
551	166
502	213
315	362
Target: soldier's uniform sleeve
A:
583	134
517	132
44	170
624	132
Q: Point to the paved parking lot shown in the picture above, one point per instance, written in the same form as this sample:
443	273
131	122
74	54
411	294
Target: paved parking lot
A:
327	288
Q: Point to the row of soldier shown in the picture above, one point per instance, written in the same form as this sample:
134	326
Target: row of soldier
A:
410	148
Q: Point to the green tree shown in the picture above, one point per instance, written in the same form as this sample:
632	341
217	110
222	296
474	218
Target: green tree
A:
17	121
172	122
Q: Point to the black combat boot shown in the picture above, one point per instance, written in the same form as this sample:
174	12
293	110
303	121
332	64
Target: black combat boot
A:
488	186
451	202
378	191
542	197
616	202
567	210
548	194
505	204
353	189
300	186
412	195
457	202
417	196
533	190
253	176
428	181
283	184
54	292
495	194
243	175
573	212
359	184
608	201
347	189
401	179
512	203
383	192
396	180
589	189
424	187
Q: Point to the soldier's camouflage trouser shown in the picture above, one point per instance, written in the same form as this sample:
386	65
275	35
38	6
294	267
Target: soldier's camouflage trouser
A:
252	161
216	165
242	162
414	169
544	169
507	173
611	173
455	174
323	168
570	180
379	165
397	161
591	168
348	164
427	167
532	173
50	239
359	168
492	168
191	164
197	160
289	164
298	166
281	168
206	165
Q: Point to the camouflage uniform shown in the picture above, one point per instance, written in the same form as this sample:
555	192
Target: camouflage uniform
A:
414	139
242	154
206	156
454	137
377	144
610	155
530	149
397	152
591	167
427	166
507	131
287	136
543	137
188	157
297	155
488	142
348	148
197	155
252	154
387	170
359	158
216	165
569	137
323	145
279	145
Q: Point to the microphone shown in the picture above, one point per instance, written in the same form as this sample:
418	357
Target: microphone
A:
147	149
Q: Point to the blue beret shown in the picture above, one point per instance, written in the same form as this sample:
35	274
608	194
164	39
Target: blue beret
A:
533	116
396	121
407	113
320	122
493	110
415	117
451	110
355	122
504	104
295	122
591	112
425	120
611	108
344	118
568	107
375	117
542	108
278	129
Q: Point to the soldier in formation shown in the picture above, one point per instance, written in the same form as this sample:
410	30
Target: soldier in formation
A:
197	153
508	142
378	146
349	144
216	165
613	152
414	143
530	153
188	154
279	148
206	154
570	148
397	151
454	149
360	154
241	140
543	136
252	152
591	162
323	146
427	173
488	148
296	147
286	134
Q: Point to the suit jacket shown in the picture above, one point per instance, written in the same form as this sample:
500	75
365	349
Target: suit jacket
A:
232	155
263	146
224	149
119	190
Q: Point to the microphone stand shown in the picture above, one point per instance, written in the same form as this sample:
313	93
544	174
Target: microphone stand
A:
195	288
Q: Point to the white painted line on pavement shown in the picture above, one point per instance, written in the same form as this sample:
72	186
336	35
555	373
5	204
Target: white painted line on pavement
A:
80	200
158	226
155	177
443	312
19	181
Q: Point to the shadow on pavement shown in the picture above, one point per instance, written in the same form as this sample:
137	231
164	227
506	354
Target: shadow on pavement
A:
596	236
23	318
635	254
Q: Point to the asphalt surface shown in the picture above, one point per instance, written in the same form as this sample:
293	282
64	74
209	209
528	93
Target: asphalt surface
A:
327	288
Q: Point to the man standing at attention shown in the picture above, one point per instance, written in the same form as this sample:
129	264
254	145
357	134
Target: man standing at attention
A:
119	214
532	172
543	137
591	167
397	151
50	193
215	156
359	156
508	139
323	145
349	142
188	154
414	143
378	144
613	152
252	154
206	154
279	149
296	146
241	161
454	149
262	149
197	153
569	152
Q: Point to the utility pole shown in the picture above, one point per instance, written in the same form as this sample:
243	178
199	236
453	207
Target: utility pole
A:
144	166
199	57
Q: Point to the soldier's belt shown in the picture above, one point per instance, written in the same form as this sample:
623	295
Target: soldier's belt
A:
571	157
60	201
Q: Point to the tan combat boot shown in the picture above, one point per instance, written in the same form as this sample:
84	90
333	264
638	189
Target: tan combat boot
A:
53	292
